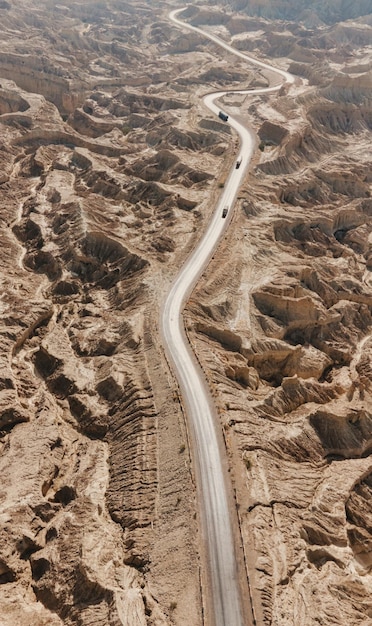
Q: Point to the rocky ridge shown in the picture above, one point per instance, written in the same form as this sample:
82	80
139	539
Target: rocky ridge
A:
286	342
101	177
109	166
328	11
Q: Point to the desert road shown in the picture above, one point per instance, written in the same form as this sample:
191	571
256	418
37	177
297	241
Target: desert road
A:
222	593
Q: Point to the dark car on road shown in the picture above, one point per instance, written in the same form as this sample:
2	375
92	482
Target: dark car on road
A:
223	116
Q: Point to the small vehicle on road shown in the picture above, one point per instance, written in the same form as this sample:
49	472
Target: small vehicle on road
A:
238	163
225	210
223	116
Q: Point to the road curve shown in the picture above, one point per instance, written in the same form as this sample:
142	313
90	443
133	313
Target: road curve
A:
224	606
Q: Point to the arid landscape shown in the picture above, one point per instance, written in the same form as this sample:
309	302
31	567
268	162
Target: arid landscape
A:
111	167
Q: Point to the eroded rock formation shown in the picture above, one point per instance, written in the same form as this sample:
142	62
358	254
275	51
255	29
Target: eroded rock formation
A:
99	182
282	326
109	167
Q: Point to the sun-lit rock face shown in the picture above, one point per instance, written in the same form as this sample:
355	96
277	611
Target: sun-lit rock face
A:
282	324
105	177
319	11
109	167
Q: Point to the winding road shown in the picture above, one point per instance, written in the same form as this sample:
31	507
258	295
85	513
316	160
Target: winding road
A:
222	593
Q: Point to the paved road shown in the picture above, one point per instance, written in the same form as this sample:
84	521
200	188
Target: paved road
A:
222	597
288	78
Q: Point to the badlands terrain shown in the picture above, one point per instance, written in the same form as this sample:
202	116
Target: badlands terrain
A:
110	169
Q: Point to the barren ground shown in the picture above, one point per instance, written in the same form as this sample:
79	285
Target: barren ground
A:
110	167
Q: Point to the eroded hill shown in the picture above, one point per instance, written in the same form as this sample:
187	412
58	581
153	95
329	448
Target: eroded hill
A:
109	168
282	325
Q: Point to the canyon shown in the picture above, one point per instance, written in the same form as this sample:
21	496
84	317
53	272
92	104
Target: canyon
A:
110	170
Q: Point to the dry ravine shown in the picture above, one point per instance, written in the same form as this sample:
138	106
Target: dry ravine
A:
110	168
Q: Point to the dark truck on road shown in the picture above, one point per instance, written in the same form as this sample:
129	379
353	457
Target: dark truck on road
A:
223	116
224	212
